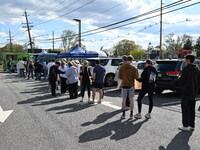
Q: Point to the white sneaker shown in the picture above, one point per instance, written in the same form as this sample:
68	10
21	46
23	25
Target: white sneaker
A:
148	116
182	128
138	116
192	129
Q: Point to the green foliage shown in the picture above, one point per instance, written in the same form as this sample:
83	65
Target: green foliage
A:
16	48
125	47
188	45
138	54
197	45
174	43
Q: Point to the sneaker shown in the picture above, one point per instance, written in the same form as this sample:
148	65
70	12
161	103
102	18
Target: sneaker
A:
192	128
138	116
131	116
148	116
81	100
91	102
182	128
123	116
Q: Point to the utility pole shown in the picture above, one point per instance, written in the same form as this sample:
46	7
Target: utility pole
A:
79	34
161	52
53	40
10	39
28	29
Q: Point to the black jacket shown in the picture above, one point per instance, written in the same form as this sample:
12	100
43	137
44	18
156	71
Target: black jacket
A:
190	80
145	77
53	73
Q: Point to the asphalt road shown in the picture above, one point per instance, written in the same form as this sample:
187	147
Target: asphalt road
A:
41	122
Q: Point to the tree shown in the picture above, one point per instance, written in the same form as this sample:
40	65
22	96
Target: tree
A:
174	43
138	54
16	48
188	45
125	47
68	39
197	45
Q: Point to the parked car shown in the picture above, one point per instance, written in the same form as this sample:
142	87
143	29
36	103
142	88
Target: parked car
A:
110	65
168	73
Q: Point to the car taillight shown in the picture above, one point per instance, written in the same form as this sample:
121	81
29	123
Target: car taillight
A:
173	73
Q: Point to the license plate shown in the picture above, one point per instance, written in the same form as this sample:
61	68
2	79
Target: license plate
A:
159	75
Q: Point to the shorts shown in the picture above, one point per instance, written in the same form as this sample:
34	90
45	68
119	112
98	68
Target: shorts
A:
97	85
128	92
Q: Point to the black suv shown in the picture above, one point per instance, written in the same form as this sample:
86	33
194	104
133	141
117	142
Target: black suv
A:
168	74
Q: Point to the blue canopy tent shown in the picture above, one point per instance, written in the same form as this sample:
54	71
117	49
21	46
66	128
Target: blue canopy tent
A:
77	52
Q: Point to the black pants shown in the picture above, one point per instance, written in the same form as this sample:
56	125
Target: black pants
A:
84	86
63	84
150	91
73	90
53	87
188	112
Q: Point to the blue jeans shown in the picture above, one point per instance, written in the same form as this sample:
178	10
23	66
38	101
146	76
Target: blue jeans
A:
10	69
30	73
21	72
38	75
45	73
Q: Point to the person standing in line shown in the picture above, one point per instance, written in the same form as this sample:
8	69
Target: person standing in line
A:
85	75
21	67
9	65
53	73
128	73
49	65
63	77
148	79
189	80
30	69
38	70
45	69
99	73
72	78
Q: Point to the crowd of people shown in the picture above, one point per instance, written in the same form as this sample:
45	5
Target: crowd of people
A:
69	73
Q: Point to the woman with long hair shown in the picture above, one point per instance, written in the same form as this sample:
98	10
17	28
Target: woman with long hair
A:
85	75
63	77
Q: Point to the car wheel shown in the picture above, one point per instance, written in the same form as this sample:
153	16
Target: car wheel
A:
109	80
158	91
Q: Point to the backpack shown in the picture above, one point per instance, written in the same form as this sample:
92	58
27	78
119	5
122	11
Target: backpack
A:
152	77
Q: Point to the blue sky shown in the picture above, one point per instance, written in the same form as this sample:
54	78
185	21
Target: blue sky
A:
57	15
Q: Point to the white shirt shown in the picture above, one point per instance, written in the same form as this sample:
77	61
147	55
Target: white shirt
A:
20	64
63	70
49	66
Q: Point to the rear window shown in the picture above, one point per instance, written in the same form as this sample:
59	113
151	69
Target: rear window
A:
103	62
141	66
116	62
167	65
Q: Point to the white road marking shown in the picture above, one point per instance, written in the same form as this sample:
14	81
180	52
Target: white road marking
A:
4	114
111	105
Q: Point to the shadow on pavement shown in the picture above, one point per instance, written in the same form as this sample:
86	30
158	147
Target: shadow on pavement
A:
179	142
117	130
35	99
70	108
54	101
103	117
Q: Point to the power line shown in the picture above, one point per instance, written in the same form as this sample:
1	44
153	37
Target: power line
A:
68	12
142	19
141	15
60	10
